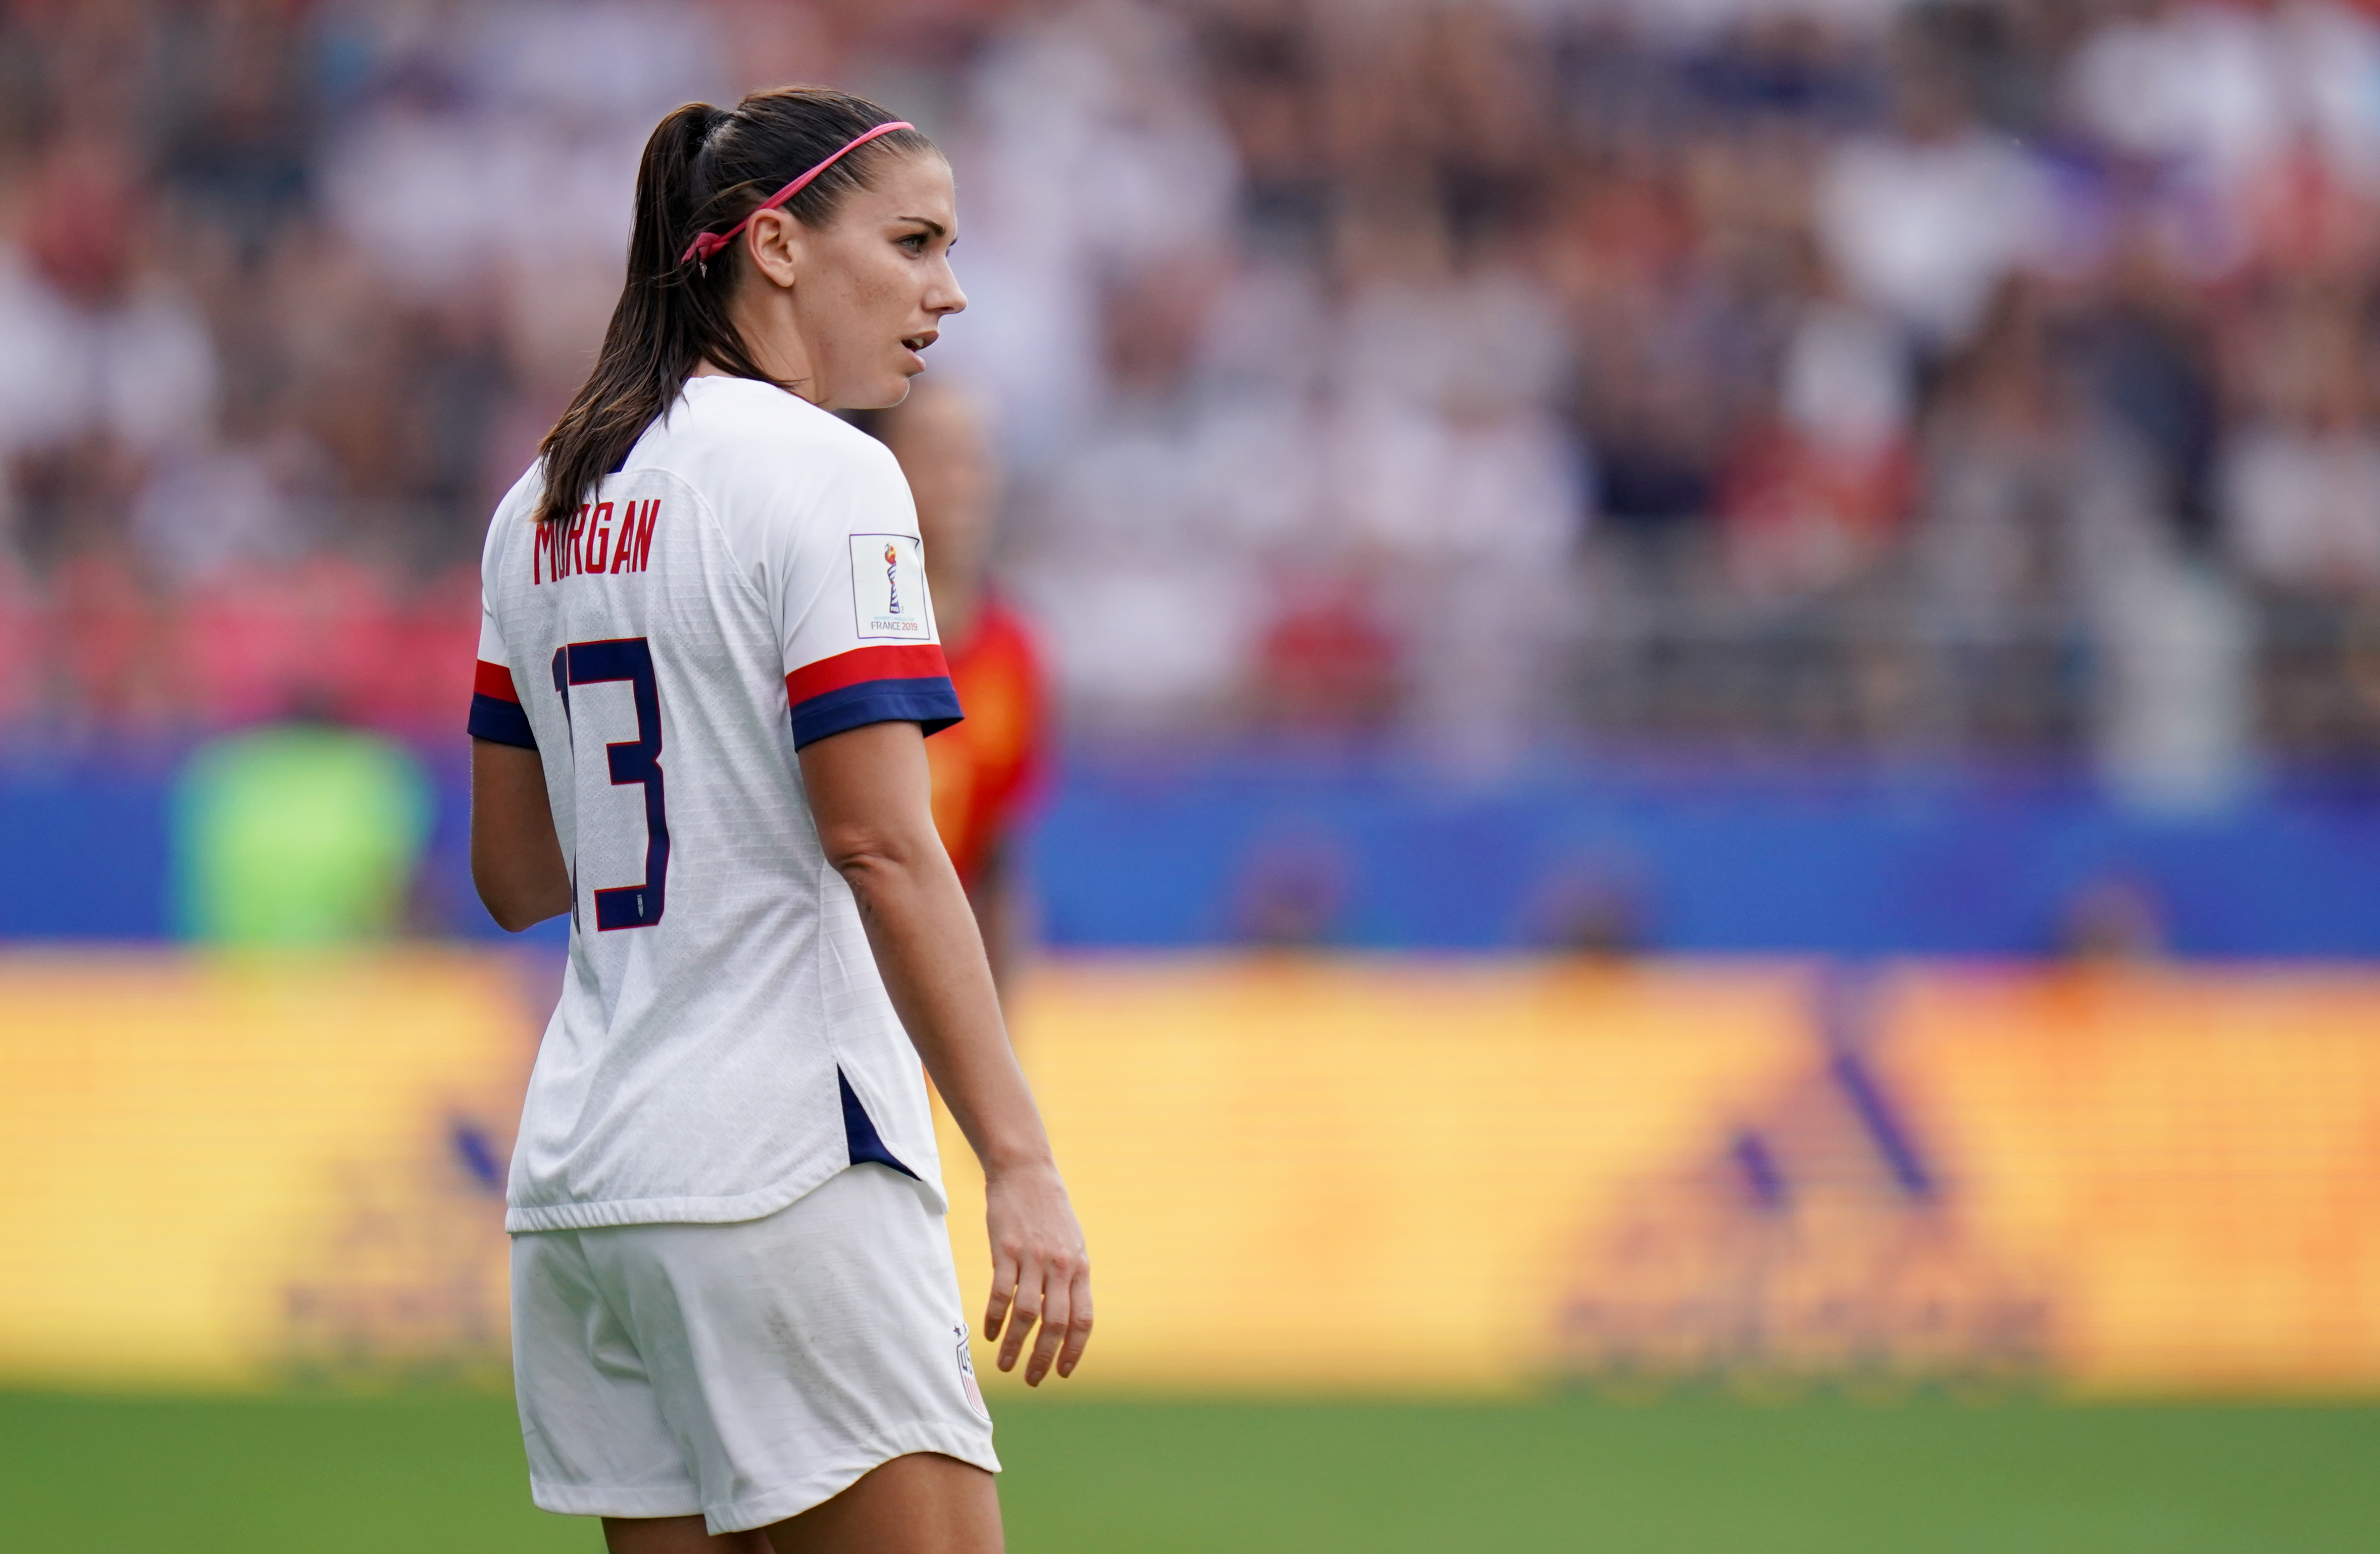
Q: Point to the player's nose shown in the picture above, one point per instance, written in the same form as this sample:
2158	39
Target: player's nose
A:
944	297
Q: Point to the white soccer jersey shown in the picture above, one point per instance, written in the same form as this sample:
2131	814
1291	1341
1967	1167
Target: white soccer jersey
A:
748	581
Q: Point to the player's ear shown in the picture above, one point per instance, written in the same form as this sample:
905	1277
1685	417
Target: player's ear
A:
776	246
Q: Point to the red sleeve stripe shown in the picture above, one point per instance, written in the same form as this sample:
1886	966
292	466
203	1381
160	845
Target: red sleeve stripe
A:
919	661
495	680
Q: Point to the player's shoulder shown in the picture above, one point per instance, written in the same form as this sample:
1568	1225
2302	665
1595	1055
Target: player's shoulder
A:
516	509
739	430
525	490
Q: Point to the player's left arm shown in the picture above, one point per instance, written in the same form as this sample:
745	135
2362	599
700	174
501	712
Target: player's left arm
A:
871	795
516	857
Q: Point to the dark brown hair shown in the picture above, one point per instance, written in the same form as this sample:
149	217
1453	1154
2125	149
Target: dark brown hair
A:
704	170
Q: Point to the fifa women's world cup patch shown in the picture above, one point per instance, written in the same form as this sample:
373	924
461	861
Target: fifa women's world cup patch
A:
888	589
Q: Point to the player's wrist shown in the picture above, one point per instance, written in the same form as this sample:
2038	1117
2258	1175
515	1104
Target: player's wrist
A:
1024	1163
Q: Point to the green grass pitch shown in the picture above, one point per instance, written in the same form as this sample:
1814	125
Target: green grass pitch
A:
1697	1475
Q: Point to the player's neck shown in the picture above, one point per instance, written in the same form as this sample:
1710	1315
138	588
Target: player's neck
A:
772	340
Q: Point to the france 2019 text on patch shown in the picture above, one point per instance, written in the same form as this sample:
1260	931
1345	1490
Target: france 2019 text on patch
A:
888	589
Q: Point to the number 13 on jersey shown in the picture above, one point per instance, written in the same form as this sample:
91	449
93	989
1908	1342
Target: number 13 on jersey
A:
634	760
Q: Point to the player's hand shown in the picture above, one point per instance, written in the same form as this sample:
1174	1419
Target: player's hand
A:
1039	1272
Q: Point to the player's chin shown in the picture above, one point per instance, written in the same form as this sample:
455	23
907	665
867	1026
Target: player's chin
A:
884	390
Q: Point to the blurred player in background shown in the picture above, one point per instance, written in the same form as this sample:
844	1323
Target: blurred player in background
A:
299	834
985	769
707	662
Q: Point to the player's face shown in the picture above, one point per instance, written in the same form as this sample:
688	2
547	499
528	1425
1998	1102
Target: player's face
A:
876	285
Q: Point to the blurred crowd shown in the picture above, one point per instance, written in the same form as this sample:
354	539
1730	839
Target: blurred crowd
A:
1943	376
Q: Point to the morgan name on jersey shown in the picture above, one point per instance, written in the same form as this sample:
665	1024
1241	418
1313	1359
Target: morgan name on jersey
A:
594	541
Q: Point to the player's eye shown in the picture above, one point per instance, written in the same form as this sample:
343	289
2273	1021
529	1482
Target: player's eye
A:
914	243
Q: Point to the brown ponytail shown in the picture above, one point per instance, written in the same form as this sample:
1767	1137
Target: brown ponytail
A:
704	169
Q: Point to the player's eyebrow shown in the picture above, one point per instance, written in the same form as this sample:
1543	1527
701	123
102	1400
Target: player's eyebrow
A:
937	228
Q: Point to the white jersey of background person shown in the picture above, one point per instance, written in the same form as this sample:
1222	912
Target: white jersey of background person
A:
748	581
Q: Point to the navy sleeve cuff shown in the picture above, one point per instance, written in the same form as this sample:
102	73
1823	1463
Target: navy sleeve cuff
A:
931	704
502	722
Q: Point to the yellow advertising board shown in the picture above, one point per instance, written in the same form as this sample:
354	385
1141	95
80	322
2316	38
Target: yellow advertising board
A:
1301	1173
2187	1162
231	1170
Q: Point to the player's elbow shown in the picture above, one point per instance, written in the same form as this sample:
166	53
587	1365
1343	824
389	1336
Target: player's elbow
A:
512	909
874	858
511	918
515	898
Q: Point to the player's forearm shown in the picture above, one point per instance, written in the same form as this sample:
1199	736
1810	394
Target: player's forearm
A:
932	957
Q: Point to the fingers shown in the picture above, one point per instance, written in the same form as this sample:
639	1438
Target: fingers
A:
1057	1309
1054	1295
1078	1326
1025	1310
1004	1271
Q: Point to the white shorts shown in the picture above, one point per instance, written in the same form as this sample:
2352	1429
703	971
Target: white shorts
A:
746	1371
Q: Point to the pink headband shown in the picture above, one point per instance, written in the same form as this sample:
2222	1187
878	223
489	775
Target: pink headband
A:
709	243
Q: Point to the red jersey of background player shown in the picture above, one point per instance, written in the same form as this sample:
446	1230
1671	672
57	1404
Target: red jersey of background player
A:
985	768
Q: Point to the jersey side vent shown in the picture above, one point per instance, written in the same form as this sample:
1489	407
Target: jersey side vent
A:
859	1133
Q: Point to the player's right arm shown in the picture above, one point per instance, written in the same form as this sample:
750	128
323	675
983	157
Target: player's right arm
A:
516	857
516	861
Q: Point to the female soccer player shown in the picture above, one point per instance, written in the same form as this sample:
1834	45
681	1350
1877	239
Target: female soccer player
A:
709	662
